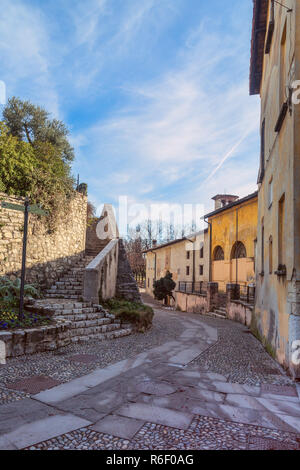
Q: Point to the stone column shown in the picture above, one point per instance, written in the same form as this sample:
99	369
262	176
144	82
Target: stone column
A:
232	292
212	296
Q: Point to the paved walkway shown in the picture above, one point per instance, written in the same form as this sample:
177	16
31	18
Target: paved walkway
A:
177	395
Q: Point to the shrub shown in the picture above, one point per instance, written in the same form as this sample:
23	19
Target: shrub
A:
163	288
10	291
137	314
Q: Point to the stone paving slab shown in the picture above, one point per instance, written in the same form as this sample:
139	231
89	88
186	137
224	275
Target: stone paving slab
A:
118	426
199	374
263	404
80	385
247	416
156	414
14	415
41	430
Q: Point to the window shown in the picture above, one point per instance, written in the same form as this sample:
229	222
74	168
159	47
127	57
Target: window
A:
283	99
201	252
238	251
270	193
282	77
271	255
187	270
218	254
201	269
281	211
262	152
270	27
148	282
187	255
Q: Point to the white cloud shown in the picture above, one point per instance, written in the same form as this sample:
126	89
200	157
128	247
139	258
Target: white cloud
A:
183	126
25	50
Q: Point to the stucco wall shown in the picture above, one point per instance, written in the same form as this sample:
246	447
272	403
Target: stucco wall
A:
225	234
191	303
239	311
48	253
174	258
100	276
277	310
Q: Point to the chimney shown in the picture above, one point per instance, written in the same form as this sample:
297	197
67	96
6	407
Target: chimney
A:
154	243
222	200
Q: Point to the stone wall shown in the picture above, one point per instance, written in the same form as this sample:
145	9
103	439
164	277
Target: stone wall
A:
48	253
126	285
44	338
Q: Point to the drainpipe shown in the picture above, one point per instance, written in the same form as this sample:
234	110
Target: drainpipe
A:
210	245
236	240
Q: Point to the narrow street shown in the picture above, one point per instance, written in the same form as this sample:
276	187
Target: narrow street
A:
191	382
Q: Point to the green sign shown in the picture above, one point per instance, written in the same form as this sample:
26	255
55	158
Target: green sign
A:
35	209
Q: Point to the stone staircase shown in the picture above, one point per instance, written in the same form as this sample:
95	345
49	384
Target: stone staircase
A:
70	284
219	312
86	320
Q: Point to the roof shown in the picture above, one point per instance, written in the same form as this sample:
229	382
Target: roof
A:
218	196
174	242
259	28
233	204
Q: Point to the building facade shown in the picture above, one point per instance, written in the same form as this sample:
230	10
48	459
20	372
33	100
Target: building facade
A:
233	233
275	65
187	259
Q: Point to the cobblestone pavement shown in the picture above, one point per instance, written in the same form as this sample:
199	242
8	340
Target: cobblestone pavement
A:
192	382
204	434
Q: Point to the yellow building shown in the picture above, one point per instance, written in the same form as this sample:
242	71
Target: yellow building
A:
233	231
274	70
186	258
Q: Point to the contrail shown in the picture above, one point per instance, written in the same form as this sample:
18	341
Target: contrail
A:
228	154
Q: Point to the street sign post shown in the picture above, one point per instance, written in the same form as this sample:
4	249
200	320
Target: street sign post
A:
26	208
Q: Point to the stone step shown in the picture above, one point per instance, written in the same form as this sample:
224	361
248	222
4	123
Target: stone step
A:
92	323
63	291
76	317
62	296
77	311
217	315
94	330
103	336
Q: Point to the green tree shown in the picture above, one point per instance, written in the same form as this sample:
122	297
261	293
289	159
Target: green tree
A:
32	124
17	164
163	288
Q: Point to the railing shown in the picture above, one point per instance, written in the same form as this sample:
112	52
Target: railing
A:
189	287
247	294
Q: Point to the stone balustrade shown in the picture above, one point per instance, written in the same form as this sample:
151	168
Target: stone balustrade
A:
100	276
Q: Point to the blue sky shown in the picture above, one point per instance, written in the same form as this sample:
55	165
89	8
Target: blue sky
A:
155	92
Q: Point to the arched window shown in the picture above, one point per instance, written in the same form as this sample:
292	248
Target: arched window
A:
238	251
218	254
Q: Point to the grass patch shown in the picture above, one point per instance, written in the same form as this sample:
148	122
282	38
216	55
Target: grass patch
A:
139	315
